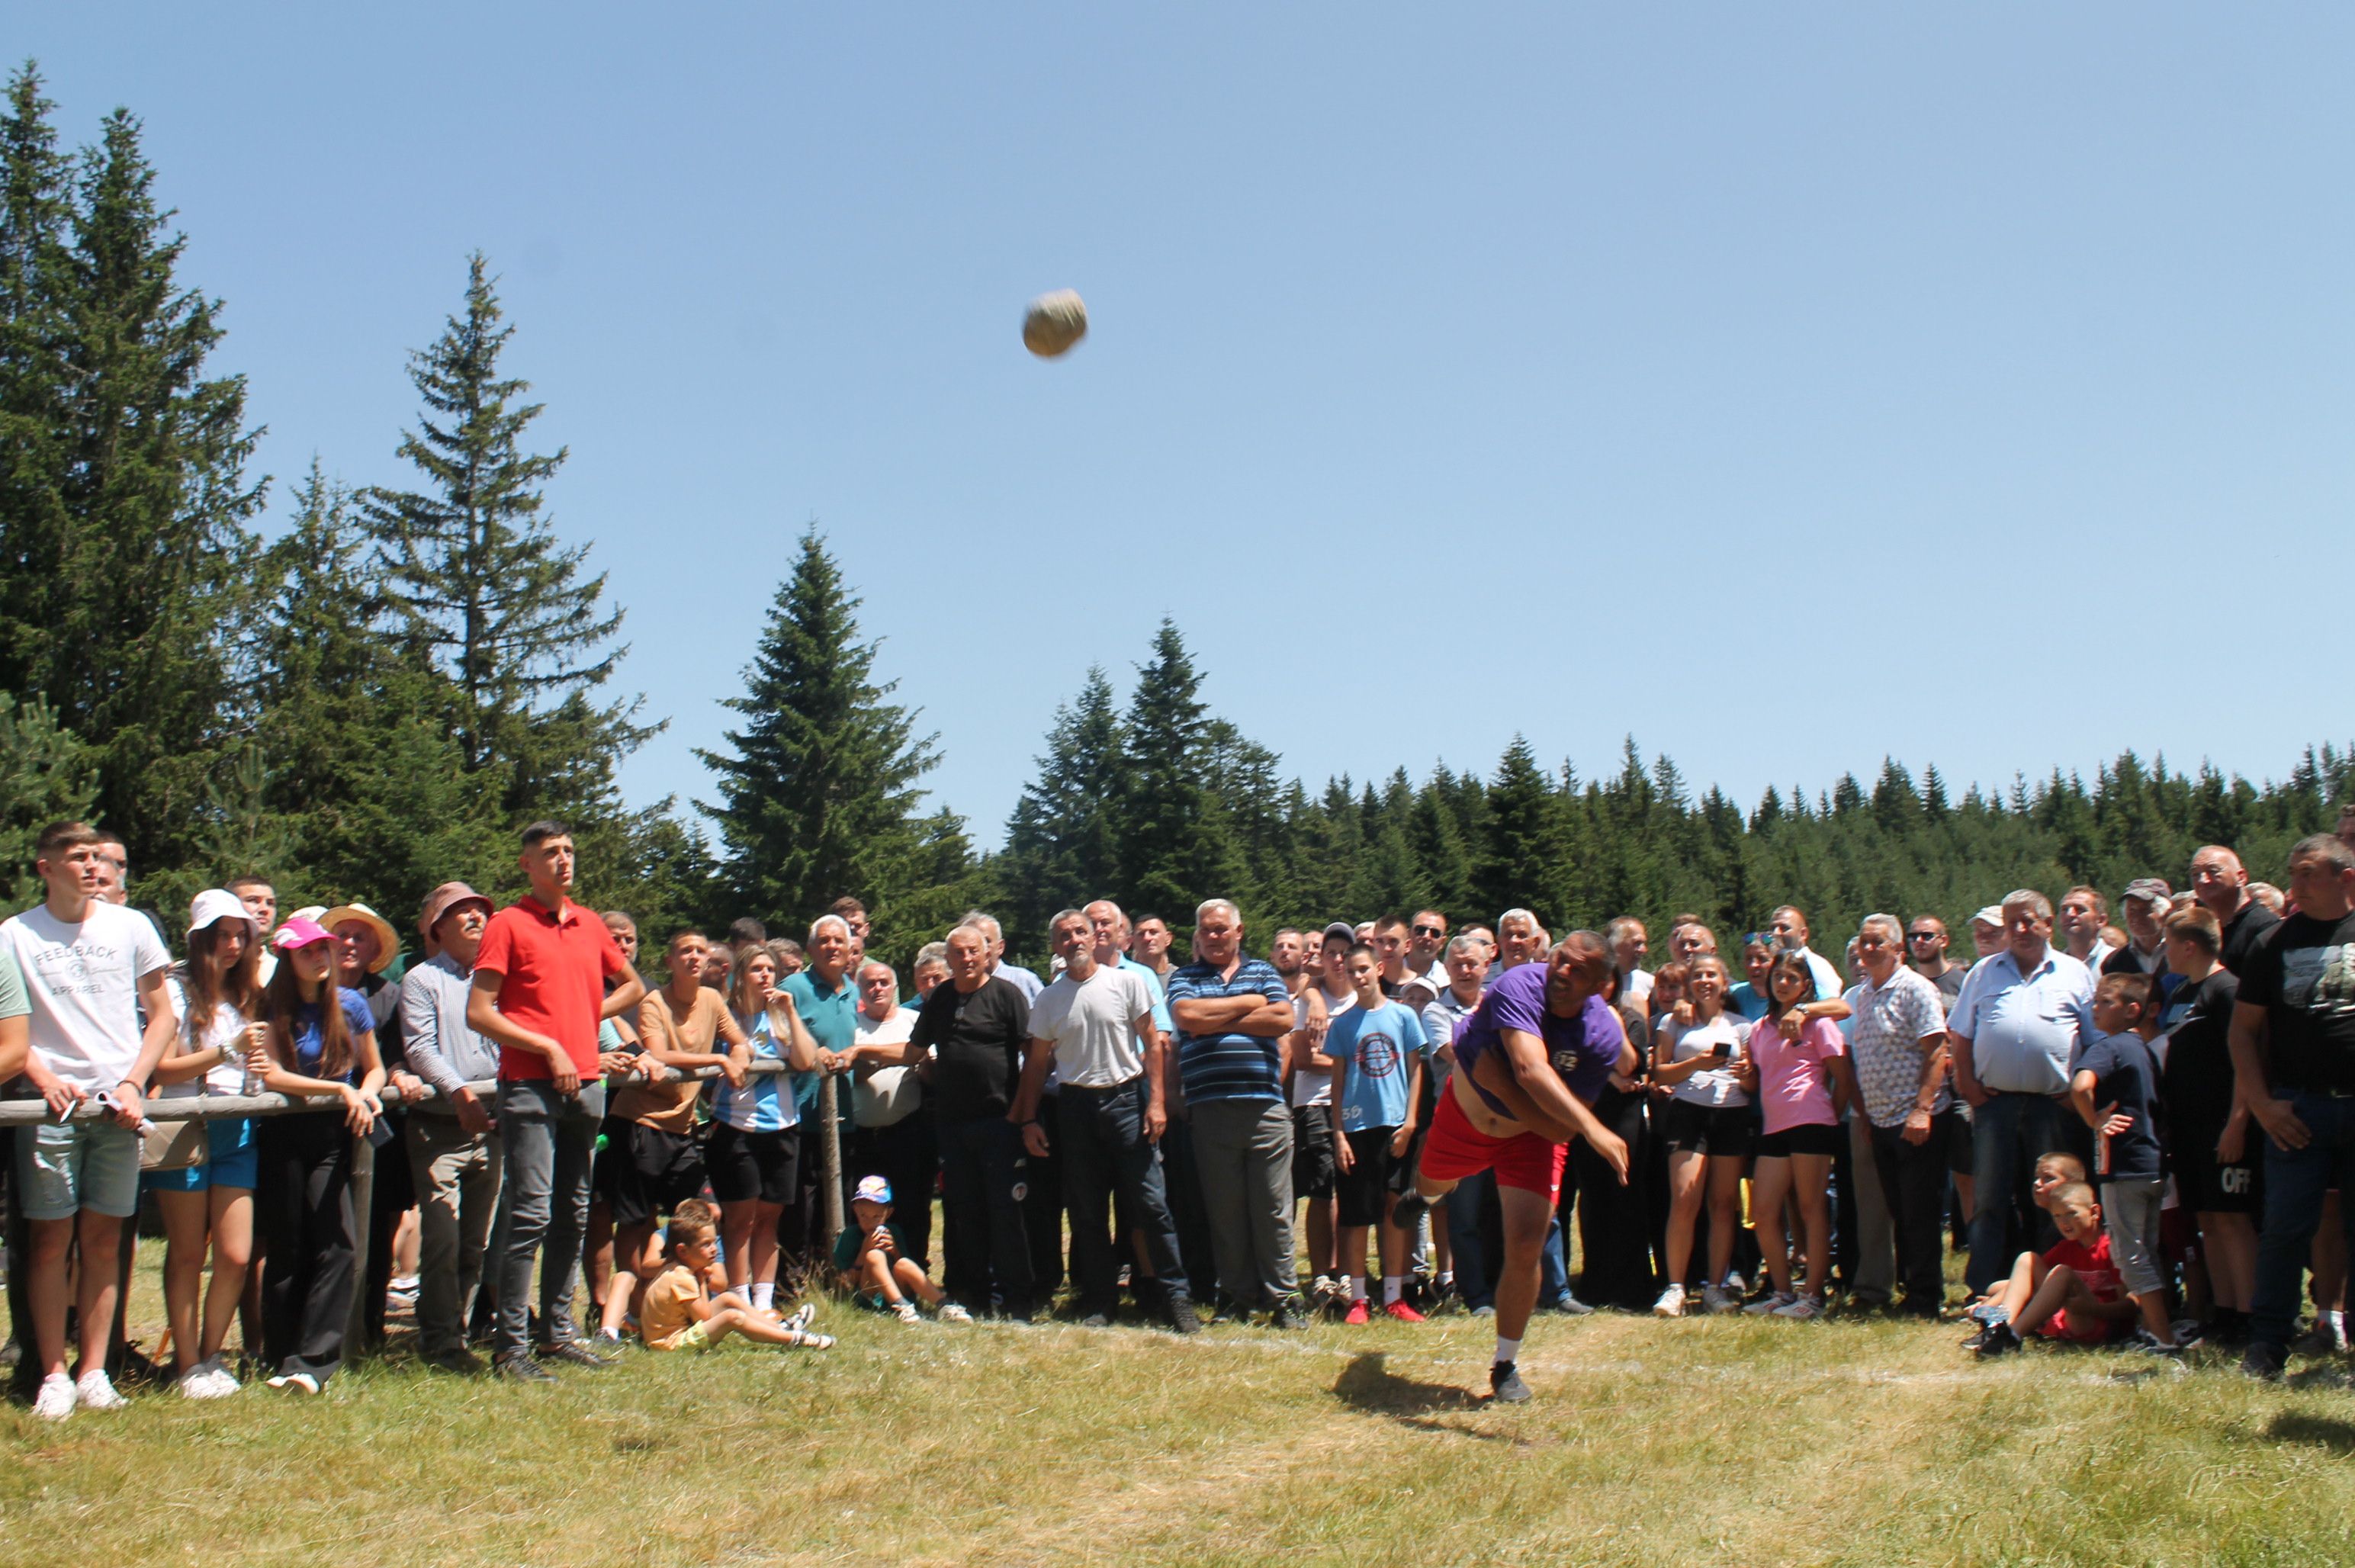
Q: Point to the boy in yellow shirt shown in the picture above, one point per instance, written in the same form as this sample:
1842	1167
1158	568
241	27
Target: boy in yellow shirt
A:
679	1312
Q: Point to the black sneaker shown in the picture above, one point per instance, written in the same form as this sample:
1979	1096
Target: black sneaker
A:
521	1368
1979	1339
1182	1318
2264	1361
1288	1314
1999	1340
574	1353
1505	1384
464	1363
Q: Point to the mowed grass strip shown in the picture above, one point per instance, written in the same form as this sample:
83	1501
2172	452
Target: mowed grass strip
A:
1720	1440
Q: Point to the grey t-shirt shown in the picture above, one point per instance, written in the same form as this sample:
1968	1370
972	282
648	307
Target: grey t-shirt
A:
1093	1026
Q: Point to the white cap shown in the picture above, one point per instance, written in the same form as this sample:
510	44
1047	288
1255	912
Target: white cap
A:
215	904
1991	915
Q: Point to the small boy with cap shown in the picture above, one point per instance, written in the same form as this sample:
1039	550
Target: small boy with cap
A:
875	1263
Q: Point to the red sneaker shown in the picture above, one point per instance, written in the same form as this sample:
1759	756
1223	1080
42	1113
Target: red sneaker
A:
1403	1313
1356	1312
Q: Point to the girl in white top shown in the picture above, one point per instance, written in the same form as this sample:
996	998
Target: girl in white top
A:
754	1155
217	995
1701	1057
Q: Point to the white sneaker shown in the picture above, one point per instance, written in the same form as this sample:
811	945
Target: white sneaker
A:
1735	1285
1671	1303
801	1316
950	1312
1801	1309
219	1381
906	1313
92	1392
1773	1303
1714	1298
1096	1320
56	1400
296	1383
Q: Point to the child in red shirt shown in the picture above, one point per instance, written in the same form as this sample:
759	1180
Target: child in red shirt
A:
2073	1292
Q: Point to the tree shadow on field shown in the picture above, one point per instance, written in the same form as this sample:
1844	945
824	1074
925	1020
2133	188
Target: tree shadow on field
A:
1367	1384
2317	1431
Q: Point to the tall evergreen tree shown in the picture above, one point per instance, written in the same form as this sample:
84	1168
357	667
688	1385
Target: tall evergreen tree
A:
124	500
1180	848
1063	842
475	574
817	790
47	774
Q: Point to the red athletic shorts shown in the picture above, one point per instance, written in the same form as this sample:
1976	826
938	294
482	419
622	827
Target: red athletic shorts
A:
2059	1326
1456	1149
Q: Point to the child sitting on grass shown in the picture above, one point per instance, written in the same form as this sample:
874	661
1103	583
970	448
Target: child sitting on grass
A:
2053	1171
875	1266
2070	1292
678	1311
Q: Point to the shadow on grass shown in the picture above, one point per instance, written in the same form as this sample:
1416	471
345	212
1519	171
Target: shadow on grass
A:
2317	1431
1367	1384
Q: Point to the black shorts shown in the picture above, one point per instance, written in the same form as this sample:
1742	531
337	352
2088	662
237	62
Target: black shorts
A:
1363	1191
1402	1168
1961	1149
647	1172
2204	1186
1721	1131
1812	1138
1312	1151
747	1167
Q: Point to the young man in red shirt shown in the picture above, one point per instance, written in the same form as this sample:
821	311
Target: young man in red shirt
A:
539	992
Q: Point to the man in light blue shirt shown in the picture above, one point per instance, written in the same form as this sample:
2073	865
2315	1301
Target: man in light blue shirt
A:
2015	1029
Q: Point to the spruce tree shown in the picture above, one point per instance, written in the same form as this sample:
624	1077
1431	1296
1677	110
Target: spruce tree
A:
124	500
1179	850
1064	841
46	776
475	575
1523	860
817	790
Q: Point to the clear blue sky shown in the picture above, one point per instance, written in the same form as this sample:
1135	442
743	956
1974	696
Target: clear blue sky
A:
1785	385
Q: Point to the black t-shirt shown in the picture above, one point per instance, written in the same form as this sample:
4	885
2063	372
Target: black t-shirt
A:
976	1037
2244	933
2198	1075
2304	977
2124	1072
1949	984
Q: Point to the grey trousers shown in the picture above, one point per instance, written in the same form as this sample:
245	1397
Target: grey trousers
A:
1876	1234
1242	1154
456	1175
549	1141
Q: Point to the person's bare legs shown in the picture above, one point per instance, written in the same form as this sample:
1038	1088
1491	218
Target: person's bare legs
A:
1810	1172
736	1230
911	1280
1769	1190
1688	1183
2060	1289
1527	1216
2231	1243
875	1273
46	1289
102	1255
1724	1215
187	1221
765	1249
231	1222
2013	1294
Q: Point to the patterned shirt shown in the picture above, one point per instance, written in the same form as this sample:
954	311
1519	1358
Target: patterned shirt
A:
1887	1045
1228	1066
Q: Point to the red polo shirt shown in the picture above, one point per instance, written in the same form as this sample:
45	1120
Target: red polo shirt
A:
552	971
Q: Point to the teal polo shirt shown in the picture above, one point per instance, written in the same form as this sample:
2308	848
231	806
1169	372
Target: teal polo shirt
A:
832	1018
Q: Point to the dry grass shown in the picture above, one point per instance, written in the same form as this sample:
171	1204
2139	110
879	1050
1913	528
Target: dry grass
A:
1702	1441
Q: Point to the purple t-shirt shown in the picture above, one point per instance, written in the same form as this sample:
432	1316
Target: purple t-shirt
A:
1583	1049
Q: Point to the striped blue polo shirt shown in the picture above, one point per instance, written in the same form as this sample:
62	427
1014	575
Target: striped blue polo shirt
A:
1228	1066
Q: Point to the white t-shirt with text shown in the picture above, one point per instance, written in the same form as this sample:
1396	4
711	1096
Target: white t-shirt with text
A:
84	984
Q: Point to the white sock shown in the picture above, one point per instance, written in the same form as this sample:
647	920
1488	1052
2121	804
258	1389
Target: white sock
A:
1357	1287
762	1294
1446	1277
2333	1319
1393	1286
1508	1351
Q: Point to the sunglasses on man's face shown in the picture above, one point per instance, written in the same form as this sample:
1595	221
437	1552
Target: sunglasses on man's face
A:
1429	931
1923	936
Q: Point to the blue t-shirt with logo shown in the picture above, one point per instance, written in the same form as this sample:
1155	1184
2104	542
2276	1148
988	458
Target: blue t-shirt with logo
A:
1381	1045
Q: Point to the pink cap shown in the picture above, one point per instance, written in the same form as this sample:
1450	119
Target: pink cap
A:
299	931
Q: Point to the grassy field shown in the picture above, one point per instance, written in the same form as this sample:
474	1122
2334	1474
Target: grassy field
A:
1720	1440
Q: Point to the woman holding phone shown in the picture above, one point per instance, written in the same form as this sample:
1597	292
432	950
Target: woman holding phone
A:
1710	1125
755	1154
321	1040
217	995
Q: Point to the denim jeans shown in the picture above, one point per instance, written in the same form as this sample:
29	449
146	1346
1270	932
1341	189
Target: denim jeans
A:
1553	1266
2009	1135
2296	1181
985	1245
547	1142
1470	1254
1100	1135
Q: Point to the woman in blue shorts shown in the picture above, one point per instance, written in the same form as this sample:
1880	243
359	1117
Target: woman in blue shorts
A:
217	995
